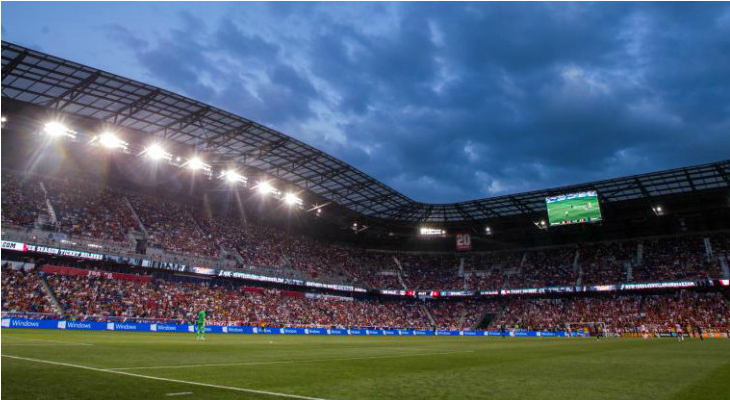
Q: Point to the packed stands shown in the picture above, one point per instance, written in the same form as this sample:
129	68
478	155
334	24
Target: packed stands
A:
23	292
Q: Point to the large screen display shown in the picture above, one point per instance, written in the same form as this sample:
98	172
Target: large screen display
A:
574	208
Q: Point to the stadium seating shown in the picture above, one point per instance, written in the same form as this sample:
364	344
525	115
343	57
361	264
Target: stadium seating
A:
88	210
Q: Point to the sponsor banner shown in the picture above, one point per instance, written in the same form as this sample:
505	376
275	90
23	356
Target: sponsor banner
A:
203	270
145	327
656	285
168	328
15	246
82	325
63	252
327	297
69	271
128	326
240	329
29	323
286	281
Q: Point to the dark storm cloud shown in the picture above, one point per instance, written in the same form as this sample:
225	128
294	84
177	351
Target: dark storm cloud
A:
453	101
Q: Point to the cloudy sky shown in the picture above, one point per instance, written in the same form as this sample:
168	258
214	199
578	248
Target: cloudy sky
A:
442	101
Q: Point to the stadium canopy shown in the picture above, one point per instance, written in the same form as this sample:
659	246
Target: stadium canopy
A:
51	82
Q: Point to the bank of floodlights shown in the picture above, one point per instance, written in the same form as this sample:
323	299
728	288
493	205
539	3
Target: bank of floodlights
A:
110	141
292	199
197	164
233	177
58	130
156	152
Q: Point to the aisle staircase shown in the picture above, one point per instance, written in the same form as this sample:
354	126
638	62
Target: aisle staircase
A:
52	297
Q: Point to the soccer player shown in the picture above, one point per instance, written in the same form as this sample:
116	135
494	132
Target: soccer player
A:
200	326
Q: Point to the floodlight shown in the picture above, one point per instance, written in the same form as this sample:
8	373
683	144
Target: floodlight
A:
56	129
156	152
542	222
292	199
3	119
232	176
110	140
265	187
196	163
659	209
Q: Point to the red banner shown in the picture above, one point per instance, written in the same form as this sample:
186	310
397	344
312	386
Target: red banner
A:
69	271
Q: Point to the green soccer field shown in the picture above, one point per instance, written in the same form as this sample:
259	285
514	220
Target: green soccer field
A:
576	209
40	364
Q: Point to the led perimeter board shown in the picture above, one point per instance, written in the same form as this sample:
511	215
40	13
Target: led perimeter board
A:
574	208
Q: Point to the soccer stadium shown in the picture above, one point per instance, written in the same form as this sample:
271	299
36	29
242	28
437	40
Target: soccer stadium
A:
155	246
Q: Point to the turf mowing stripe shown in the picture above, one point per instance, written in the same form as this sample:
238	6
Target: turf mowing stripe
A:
287	362
210	385
47	340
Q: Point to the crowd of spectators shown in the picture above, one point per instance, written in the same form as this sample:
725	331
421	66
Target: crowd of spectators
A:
22	200
170	226
91	211
22	291
172	299
619	313
103	213
675	259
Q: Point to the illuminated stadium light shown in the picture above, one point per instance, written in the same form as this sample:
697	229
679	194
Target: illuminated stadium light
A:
195	164
111	141
432	231
155	152
233	177
265	188
488	230
292	199
3	119
57	129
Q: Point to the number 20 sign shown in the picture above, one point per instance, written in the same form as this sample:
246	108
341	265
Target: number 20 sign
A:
463	241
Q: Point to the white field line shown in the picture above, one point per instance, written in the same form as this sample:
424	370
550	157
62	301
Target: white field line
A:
46	340
178	394
156	378
287	362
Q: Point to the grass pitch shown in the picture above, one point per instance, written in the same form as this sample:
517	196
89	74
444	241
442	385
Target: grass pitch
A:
574	210
39	364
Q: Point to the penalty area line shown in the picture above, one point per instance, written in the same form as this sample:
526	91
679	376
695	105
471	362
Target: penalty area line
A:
156	378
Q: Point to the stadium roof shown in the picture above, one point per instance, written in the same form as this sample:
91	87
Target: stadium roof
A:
33	77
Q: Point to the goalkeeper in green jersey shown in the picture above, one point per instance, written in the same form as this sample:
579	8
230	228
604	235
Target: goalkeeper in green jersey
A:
200	326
